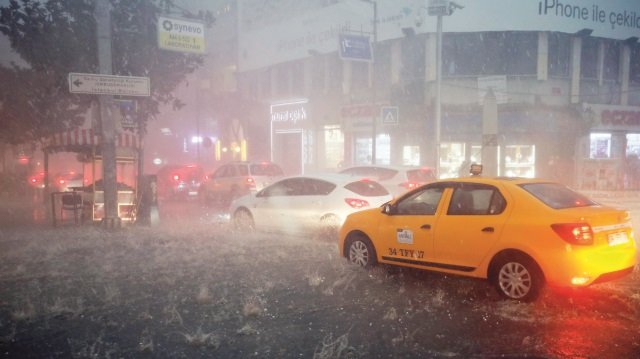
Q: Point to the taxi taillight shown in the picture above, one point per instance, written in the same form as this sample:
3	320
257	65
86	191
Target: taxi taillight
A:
574	233
251	183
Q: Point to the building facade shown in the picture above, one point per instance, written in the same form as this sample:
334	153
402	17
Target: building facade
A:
537	88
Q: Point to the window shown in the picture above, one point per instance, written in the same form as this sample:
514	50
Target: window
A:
314	187
559	54
589	58
634	76
633	144
264	169
421	203
289	187
611	65
490	53
600	146
367	188
334	146
360	74
477	200
557	196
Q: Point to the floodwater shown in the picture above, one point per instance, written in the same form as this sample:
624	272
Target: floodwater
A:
192	287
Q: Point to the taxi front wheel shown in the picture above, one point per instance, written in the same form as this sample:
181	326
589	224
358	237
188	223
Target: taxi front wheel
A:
361	252
517	277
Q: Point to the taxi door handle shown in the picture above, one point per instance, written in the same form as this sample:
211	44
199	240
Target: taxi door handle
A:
425	226
487	229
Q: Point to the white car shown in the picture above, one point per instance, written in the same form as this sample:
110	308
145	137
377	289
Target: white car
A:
396	179
307	203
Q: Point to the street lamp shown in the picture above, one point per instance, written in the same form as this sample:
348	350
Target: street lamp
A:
439	8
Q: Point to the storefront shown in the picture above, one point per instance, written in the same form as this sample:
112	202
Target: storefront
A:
87	145
608	155
292	136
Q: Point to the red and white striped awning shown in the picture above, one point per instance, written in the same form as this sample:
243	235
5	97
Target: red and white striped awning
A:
88	137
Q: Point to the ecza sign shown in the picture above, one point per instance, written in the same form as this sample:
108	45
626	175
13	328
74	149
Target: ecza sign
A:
180	35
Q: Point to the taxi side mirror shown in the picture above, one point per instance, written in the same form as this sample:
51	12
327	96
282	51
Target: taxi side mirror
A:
388	209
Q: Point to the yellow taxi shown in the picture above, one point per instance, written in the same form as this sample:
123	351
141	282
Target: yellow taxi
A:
518	233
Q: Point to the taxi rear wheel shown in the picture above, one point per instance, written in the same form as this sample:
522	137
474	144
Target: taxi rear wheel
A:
361	252
517	277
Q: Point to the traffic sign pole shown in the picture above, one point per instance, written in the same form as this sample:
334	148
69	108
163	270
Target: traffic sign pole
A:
103	23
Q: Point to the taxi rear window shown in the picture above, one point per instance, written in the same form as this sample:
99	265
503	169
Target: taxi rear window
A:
367	188
557	196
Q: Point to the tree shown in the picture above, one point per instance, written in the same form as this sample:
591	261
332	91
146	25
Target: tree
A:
56	37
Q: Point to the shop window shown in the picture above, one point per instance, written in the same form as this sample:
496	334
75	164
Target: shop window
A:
633	144
334	146
411	155
452	155
520	160
600	146
383	149
362	153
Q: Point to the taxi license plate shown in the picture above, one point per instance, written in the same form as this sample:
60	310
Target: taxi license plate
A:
618	238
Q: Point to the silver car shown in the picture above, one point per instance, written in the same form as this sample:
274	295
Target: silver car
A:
307	203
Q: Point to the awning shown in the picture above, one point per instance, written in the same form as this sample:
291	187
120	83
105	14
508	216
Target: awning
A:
88	137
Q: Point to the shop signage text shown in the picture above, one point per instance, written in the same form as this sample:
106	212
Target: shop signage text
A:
181	35
289	114
620	118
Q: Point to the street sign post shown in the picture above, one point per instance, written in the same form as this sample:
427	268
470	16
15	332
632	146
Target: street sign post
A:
355	47
98	84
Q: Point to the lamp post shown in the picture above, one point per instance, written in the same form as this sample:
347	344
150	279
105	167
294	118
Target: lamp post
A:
439	8
374	117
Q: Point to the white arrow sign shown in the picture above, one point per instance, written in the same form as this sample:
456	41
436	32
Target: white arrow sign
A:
109	84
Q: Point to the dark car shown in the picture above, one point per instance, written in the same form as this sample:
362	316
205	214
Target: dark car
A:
179	181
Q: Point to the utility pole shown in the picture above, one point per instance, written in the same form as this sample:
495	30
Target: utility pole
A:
439	8
374	96
102	12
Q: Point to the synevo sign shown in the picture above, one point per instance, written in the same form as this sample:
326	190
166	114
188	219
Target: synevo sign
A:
181	35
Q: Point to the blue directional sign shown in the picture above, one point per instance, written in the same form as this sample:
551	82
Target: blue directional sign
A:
389	115
355	47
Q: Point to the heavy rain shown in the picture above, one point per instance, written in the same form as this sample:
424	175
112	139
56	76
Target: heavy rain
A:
271	178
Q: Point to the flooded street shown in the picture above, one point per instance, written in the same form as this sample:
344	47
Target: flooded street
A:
192	287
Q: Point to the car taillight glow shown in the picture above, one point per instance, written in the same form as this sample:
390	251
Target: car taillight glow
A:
251	182
33	180
410	185
176	177
356	202
61	181
574	233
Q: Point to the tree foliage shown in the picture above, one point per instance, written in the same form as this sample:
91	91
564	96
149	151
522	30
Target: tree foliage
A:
56	37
